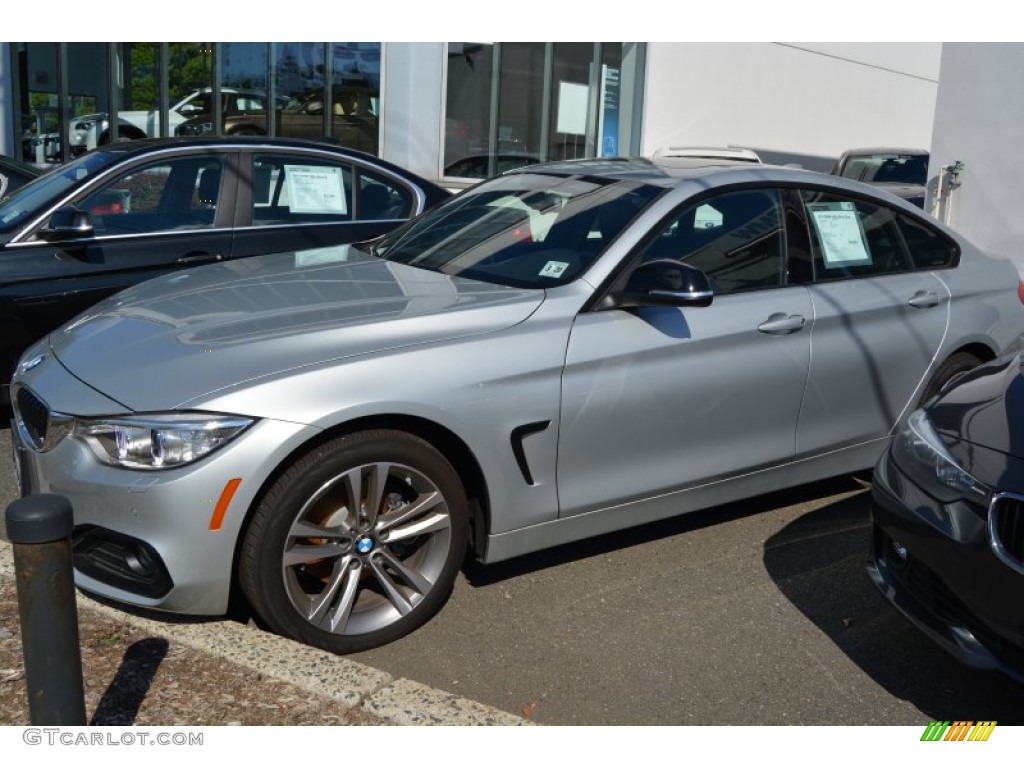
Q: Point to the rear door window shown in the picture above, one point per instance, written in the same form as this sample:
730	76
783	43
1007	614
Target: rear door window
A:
854	238
295	189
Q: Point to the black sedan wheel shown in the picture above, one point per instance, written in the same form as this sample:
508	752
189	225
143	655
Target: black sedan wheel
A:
358	543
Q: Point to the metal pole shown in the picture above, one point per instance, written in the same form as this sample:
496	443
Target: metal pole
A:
40	528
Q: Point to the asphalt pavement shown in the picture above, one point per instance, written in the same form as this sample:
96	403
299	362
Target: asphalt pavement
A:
755	613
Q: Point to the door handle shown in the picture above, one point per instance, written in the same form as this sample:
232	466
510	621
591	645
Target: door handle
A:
199	257
780	324
924	299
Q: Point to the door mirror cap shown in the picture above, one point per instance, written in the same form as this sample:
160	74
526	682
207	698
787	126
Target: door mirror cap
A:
67	223
666	282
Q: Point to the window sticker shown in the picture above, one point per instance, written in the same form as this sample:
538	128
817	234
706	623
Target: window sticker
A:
707	217
554	269
315	189
840	233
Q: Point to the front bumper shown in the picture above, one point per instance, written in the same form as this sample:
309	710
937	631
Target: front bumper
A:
935	564
148	538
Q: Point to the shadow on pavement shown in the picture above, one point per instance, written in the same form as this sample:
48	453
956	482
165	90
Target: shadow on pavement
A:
818	563
480	575
120	703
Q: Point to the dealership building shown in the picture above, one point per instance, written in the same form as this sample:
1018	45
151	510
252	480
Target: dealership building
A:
459	111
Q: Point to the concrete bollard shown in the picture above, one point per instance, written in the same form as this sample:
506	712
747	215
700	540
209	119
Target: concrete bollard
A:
39	528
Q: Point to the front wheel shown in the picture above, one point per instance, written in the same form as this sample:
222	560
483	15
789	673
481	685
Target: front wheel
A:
358	543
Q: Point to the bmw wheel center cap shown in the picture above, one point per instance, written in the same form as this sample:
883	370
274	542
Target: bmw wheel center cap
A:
364	545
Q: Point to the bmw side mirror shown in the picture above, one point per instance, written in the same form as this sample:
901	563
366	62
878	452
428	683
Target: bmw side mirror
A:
665	282
67	223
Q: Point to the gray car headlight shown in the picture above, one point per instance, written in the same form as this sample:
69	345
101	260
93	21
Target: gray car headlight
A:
919	452
159	441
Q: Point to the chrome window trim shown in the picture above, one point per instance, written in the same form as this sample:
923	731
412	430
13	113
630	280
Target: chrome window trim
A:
114	238
357	222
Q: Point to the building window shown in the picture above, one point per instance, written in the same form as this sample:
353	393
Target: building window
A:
514	104
74	97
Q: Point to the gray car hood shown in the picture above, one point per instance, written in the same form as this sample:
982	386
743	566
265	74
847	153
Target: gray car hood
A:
177	338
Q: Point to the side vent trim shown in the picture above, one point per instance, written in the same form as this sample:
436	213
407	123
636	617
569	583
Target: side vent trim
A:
519	434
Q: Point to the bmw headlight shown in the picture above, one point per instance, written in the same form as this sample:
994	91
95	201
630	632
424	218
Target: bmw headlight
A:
919	452
158	441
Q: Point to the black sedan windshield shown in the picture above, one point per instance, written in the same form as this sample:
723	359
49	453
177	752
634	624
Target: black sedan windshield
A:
529	230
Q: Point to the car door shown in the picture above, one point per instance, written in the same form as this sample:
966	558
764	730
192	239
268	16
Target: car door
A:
154	217
290	201
878	323
661	398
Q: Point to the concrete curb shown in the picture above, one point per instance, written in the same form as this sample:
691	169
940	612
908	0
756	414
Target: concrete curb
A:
396	701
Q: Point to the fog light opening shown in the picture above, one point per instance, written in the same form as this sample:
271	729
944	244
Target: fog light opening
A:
139	562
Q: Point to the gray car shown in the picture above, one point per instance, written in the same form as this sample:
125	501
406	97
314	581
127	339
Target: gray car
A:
560	352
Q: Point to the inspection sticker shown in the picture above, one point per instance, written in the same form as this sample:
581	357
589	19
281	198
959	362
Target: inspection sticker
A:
554	269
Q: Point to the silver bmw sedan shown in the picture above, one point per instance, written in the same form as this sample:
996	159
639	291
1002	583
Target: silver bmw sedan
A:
559	352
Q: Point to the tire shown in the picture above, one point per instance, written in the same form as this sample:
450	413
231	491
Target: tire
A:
318	572
954	365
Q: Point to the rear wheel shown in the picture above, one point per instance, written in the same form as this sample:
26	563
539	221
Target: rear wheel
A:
954	365
358	543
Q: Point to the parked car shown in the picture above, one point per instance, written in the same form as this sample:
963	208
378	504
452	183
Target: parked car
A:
477	166
562	351
15	174
948	519
353	116
903	172
87	132
737	154
128	212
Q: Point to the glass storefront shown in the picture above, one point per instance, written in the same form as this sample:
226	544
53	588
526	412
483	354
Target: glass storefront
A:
501	105
514	104
73	97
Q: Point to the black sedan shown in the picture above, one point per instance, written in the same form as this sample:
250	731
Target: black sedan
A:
14	174
128	212
948	519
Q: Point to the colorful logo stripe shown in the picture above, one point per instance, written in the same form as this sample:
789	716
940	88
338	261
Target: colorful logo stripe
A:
960	730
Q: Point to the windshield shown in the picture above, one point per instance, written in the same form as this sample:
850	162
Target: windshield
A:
30	199
529	230
892	168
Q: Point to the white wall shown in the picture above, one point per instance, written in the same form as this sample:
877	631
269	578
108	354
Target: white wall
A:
813	99
979	120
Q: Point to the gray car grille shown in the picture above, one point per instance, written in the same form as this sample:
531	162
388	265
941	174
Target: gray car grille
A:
1006	529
